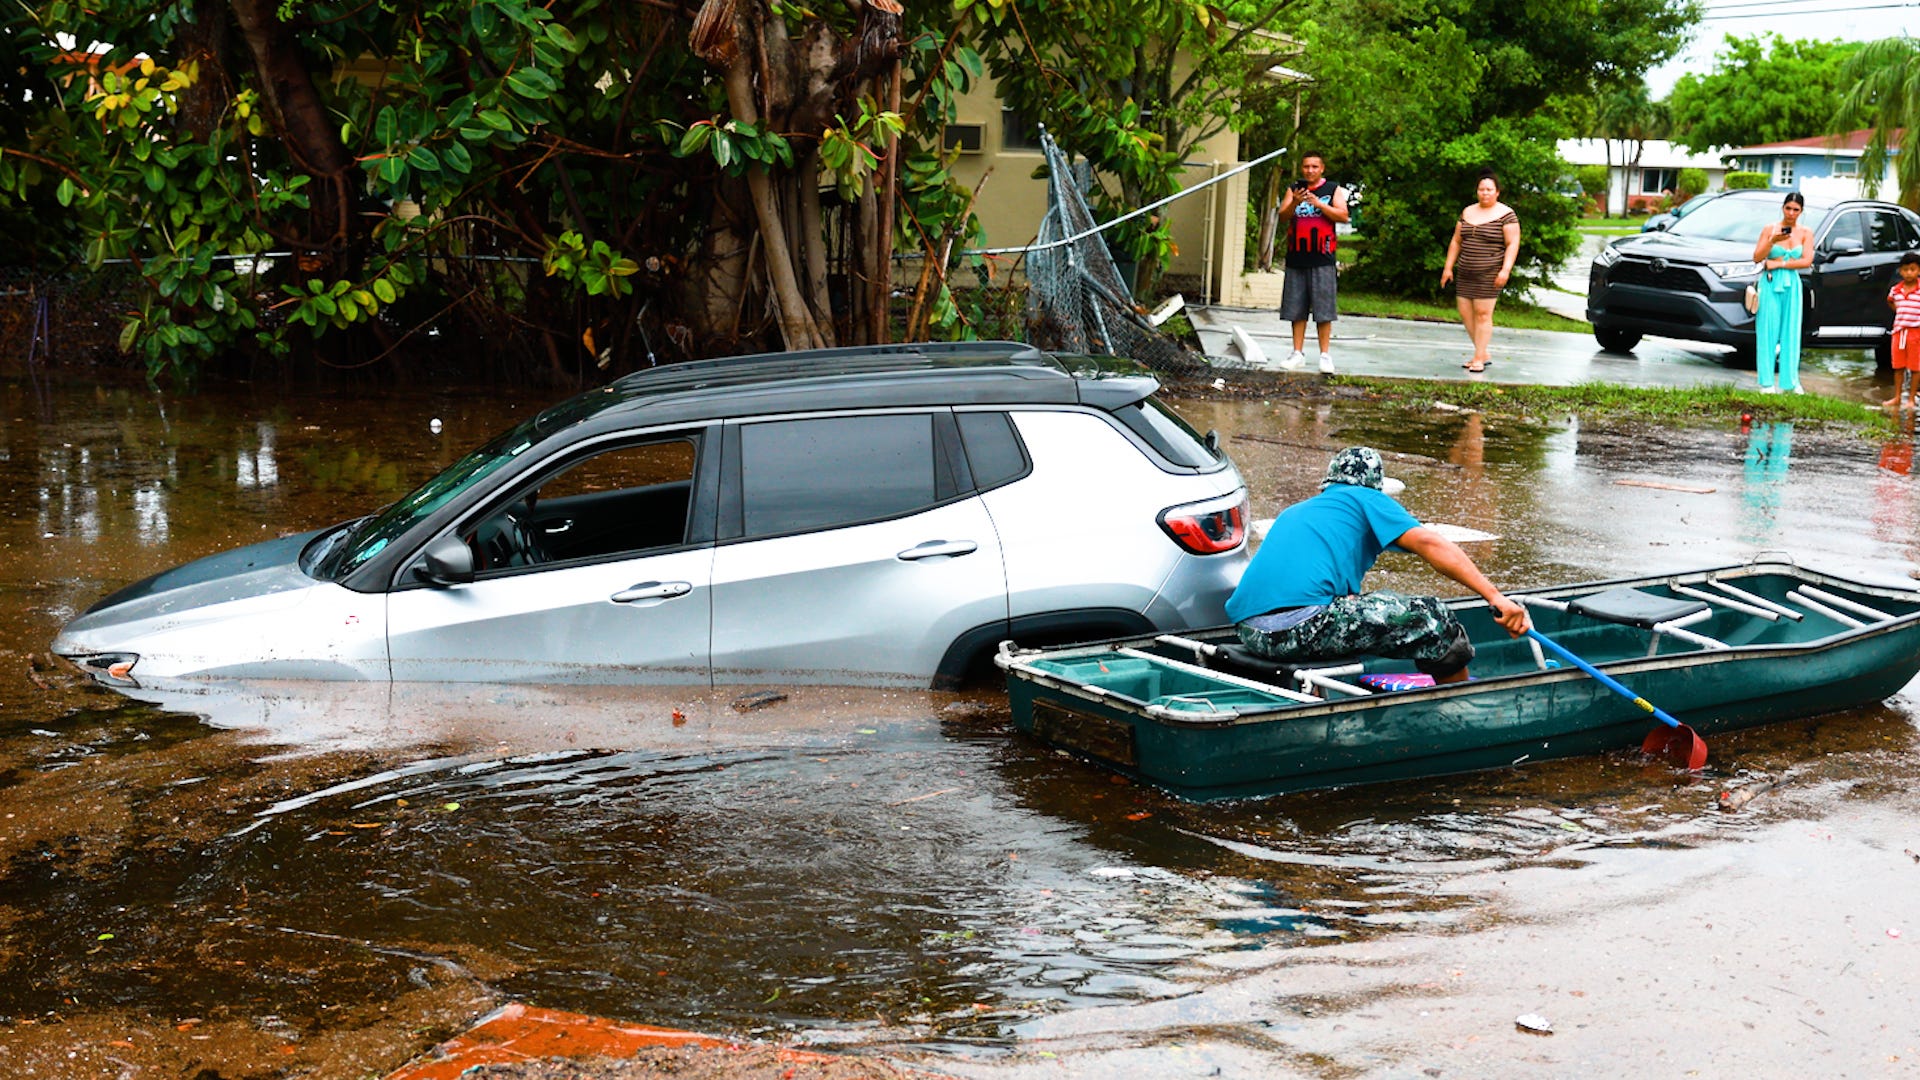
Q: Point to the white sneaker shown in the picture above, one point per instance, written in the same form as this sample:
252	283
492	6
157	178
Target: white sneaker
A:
1295	362
1326	363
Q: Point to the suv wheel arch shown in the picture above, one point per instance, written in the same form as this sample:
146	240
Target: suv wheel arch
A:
971	653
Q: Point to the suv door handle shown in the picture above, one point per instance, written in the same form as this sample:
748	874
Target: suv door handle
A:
934	549
1865	271
651	590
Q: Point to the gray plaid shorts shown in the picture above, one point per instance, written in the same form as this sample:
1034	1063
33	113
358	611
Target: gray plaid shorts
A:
1309	290
1417	628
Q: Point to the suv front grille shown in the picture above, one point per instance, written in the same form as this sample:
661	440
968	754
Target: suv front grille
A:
1674	278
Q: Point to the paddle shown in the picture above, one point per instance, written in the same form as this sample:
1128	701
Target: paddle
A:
1679	743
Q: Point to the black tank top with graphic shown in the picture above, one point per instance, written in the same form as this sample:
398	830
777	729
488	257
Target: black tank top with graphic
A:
1310	238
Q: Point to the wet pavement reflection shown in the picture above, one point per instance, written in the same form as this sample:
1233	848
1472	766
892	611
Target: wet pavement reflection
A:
330	877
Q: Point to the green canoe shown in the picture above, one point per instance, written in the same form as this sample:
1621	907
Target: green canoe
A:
1720	649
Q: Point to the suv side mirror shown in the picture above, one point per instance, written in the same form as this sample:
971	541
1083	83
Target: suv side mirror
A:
1842	246
447	561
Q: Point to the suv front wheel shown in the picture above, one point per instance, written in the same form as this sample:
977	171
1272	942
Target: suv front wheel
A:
1620	341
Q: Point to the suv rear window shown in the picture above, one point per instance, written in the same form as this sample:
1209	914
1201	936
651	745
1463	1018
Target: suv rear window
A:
994	453
1170	437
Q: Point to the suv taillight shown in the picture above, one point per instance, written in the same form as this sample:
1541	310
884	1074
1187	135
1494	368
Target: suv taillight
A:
1208	527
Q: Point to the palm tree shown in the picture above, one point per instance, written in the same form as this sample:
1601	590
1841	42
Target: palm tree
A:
1885	95
1629	114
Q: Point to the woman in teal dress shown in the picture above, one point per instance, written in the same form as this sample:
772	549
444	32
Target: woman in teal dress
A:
1783	250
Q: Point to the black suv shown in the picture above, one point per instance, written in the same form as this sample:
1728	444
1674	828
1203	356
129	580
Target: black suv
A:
1690	280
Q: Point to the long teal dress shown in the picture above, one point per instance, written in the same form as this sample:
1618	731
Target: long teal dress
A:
1776	326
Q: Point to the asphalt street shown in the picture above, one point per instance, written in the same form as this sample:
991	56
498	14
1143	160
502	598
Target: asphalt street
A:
1409	349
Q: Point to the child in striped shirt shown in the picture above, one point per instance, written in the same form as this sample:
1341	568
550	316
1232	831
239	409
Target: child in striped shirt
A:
1904	299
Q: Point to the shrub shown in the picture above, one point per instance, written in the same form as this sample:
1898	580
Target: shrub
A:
1593	181
1689	183
1739	180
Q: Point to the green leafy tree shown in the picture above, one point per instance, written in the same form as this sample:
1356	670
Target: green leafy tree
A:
1762	89
1133	85
1415	97
1883	92
538	180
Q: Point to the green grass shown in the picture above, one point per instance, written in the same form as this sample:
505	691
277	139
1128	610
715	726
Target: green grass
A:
1604	221
1717	403
1512	314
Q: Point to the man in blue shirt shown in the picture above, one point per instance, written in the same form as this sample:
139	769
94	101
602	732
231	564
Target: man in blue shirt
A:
1301	597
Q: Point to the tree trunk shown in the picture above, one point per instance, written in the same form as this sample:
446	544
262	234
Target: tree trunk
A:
1606	193
883	235
716	281
1626	195
203	40
797	328
309	134
813	233
1270	217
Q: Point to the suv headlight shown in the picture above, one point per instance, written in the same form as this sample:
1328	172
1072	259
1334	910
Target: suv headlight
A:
1608	256
1735	269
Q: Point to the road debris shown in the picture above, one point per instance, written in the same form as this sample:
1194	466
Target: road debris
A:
1658	486
1736	798
1533	1024
759	700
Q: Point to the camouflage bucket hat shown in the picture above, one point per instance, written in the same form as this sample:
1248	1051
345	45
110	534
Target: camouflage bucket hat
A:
1361	466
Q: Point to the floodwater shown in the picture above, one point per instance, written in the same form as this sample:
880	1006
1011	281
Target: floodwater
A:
325	880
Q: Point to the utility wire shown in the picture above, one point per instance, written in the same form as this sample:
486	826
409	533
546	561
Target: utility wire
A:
1810	11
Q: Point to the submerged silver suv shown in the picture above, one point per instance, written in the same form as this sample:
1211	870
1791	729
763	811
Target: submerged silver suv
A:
880	515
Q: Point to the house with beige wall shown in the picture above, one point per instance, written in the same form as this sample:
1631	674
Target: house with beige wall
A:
1208	227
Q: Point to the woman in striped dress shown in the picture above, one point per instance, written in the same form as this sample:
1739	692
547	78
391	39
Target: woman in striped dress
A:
1480	257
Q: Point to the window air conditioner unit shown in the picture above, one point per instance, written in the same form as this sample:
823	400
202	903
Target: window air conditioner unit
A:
963	137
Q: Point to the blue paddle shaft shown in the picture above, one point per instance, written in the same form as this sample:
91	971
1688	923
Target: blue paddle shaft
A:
1604	679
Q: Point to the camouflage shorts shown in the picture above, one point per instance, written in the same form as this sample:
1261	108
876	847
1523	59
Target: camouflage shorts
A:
1416	628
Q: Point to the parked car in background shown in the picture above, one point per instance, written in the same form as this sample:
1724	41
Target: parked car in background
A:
1689	280
882	515
1665	218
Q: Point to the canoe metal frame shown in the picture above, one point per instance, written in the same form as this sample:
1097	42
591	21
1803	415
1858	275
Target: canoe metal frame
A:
1675	628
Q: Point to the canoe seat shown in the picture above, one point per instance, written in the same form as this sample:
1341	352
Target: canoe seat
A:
1635	608
1240	660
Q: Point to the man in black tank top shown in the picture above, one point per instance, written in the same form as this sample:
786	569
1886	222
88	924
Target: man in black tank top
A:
1313	206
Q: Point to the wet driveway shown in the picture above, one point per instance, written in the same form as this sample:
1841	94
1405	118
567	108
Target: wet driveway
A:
331	878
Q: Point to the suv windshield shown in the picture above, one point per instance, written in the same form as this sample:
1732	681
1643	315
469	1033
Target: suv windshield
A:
1739	219
375	533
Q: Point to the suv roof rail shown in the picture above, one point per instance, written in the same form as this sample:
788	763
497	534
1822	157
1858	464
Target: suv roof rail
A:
834	361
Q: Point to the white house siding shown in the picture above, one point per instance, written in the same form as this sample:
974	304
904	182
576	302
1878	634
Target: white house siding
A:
1659	160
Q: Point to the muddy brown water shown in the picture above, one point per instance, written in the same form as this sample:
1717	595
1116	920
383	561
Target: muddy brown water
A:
326	879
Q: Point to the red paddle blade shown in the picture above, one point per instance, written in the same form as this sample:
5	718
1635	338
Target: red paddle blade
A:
1681	745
